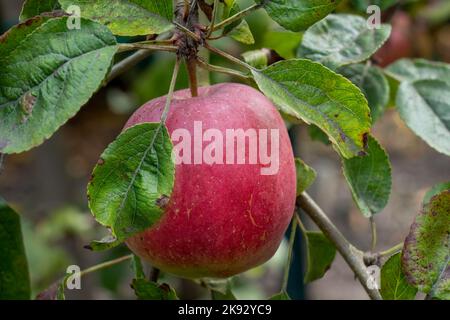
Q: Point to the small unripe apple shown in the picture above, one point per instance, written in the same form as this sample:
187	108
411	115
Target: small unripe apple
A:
223	217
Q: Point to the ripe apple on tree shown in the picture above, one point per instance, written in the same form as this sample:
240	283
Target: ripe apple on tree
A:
202	183
221	219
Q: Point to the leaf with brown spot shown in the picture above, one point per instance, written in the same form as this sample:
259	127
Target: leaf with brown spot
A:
32	8
47	73
162	201
306	90
133	183
426	253
18	34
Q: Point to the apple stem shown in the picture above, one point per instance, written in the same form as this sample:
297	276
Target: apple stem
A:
191	65
353	256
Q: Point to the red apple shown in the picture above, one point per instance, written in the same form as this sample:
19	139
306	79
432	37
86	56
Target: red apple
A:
399	44
221	219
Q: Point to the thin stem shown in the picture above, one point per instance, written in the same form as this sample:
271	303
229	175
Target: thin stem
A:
220	36
192	72
171	90
391	251
351	255
219	69
127	63
106	264
188	32
237	16
373	229
133	59
140	45
300	223
229	57
287	267
213	18
95	268
156	42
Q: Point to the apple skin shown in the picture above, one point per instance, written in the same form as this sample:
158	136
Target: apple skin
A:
221	219
399	44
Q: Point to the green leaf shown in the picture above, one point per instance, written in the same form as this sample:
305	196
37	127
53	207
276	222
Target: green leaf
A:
133	180
280	296
230	8
32	8
419	69
47	75
424	105
242	33
435	190
127	17
426	254
373	83
342	39
393	281
285	43
305	175
307	90
297	15
320	255
17	34
146	290
239	30
14	276
369	178
257	58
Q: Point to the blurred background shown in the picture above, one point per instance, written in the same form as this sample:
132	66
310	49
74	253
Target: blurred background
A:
47	185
